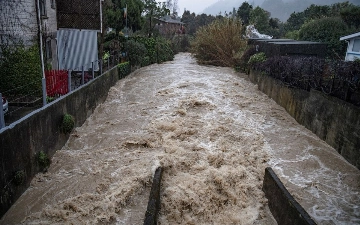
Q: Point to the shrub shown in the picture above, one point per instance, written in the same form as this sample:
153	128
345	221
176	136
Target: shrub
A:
68	123
20	67
136	52
145	61
124	69
257	58
333	77
43	160
19	177
242	59
219	42
164	50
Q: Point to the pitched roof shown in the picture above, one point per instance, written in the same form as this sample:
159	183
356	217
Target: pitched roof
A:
350	36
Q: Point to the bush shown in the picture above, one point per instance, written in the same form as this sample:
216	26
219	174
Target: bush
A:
124	69
180	43
219	42
136	52
164	50
43	160
21	67
243	59
334	77
257	58
68	123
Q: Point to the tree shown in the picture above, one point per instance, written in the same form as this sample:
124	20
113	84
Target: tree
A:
114	14
351	16
244	12
326	30
260	18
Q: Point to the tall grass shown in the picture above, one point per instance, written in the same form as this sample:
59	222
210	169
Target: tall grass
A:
219	43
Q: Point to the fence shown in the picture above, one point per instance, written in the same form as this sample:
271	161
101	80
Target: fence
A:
21	101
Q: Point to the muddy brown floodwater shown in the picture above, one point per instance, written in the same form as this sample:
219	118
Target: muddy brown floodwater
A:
213	133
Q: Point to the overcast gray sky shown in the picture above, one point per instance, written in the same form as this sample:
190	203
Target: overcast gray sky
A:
196	6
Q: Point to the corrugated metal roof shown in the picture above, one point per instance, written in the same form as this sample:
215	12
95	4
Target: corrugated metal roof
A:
350	36
77	48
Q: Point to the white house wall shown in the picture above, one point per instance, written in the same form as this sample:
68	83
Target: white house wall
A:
18	21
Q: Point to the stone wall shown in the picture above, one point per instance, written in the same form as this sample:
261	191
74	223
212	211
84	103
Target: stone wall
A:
333	120
39	131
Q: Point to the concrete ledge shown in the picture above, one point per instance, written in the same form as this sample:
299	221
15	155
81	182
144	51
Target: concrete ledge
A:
331	119
153	207
285	209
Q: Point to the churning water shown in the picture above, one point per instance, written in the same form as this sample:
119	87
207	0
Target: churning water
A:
213	133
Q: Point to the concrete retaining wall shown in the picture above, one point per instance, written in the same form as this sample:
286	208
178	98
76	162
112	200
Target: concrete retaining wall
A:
285	209
21	142
333	120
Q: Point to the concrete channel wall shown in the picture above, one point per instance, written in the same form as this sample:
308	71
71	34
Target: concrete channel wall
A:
333	120
22	141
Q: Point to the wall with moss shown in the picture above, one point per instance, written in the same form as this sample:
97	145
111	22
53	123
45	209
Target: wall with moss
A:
333	120
27	143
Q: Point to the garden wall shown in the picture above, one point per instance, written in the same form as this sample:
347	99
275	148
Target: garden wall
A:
39	131
333	120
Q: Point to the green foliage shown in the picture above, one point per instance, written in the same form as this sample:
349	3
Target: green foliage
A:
19	177
351	16
326	30
136	51
292	35
114	14
256	58
21	67
194	22
124	69
219	43
150	45
43	160
68	123
243	59
260	18
145	61
164	50
244	12
181	43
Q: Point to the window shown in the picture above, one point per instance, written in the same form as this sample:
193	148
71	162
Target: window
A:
48	48
53	4
42	8
356	46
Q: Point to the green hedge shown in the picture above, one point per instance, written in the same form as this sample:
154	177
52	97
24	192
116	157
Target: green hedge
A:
124	69
20	71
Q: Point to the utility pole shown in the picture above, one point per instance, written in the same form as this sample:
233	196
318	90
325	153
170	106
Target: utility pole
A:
41	51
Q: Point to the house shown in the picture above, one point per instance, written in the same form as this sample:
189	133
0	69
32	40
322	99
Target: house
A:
168	25
19	24
353	49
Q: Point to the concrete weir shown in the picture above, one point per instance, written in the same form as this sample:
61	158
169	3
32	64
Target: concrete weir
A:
283	206
153	207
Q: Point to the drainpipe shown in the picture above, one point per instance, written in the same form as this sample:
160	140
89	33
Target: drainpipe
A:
41	51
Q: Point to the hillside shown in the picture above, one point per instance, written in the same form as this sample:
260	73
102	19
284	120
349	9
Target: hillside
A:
278	8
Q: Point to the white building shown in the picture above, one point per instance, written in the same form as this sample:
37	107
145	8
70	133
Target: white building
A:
353	50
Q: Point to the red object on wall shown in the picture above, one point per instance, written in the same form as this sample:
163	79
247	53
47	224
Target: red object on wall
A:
56	82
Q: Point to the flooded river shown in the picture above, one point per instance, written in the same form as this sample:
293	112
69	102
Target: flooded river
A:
213	133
